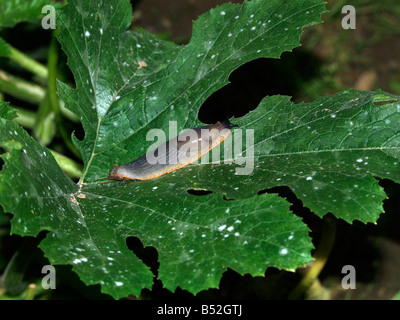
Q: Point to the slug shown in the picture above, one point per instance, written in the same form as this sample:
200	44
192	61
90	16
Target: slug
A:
178	152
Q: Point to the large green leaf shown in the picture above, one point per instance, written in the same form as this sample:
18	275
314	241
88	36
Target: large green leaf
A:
327	151
127	83
197	238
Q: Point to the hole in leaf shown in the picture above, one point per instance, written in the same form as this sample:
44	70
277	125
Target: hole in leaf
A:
198	192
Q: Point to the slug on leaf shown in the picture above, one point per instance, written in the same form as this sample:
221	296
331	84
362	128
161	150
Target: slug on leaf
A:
174	154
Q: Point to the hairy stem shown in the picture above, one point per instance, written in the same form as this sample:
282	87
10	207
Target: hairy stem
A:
28	63
26	118
310	279
69	166
21	89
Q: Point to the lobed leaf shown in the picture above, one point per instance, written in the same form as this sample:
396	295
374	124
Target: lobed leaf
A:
327	151
128	83
197	238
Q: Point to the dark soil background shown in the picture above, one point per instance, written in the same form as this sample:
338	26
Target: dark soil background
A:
330	60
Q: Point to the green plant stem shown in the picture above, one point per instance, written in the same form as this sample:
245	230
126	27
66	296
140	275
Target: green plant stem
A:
21	89
53	99
28	63
69	166
45	124
30	294
310	279
52	78
26	118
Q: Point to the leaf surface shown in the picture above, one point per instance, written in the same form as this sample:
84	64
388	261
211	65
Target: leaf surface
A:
128	83
197	238
327	151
